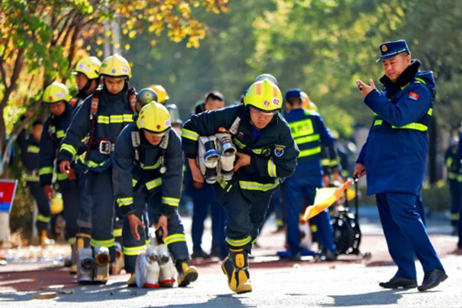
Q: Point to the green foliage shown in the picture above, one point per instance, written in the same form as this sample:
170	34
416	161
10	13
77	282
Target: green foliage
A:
435	197
433	28
319	46
23	205
220	63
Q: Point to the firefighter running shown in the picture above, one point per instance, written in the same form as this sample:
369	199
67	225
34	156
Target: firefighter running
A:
266	152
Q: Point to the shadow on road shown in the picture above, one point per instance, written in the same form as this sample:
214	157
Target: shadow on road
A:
386	297
225	301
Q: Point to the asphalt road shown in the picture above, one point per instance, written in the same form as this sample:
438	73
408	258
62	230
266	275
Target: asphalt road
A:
351	281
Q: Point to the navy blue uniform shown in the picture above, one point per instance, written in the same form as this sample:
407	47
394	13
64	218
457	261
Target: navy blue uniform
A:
30	157
54	130
395	157
138	181
311	136
84	217
114	113
273	156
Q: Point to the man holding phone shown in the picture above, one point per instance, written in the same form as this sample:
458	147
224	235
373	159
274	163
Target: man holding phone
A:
394	158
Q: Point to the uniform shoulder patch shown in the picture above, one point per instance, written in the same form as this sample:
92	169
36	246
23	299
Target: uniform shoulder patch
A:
414	96
279	150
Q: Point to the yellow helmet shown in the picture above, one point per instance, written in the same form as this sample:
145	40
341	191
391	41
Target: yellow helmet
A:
307	104
88	66
154	117
55	93
263	95
162	95
116	66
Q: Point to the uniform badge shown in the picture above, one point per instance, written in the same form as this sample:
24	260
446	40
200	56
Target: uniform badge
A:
276	101
384	48
279	150
266	104
414	96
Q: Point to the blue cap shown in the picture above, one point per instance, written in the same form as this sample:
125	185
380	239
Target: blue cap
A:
391	49
297	93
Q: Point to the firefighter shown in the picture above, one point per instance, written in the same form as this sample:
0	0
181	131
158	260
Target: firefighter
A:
144	97
311	135
102	116
56	97
266	154
87	77
86	74
394	158
148	169
29	146
162	95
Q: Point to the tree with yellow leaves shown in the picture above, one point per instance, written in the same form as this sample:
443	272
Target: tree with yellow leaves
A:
40	41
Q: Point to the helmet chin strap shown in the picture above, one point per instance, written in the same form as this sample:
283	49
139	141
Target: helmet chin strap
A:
83	93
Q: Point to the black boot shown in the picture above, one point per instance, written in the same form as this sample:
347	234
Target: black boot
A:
432	279
399	282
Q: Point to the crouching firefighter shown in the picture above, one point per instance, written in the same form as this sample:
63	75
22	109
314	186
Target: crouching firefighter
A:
266	152
148	170
101	116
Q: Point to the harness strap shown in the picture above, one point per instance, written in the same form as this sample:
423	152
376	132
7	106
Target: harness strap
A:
93	115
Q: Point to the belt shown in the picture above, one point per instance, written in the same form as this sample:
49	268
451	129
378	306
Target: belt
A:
105	146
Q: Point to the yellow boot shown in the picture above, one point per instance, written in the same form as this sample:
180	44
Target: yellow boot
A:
186	273
131	282
235	267
43	238
73	269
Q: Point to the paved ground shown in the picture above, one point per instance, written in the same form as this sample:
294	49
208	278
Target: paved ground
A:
351	281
